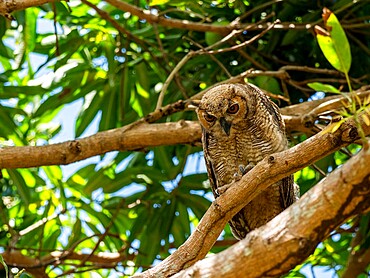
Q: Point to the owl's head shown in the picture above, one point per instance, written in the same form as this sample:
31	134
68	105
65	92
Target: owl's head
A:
224	106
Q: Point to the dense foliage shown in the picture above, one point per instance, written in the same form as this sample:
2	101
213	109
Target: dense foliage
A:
111	66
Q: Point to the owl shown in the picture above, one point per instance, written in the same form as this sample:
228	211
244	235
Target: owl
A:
241	126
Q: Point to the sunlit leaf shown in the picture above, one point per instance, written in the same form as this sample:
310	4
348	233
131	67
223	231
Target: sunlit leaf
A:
30	29
366	119
76	233
109	109
320	87
334	43
158	2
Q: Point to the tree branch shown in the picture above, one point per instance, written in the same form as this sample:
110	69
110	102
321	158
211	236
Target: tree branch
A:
206	27
126	138
9	6
140	135
292	236
269	171
15	258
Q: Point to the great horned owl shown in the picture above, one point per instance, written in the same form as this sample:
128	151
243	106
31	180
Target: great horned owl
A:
240	127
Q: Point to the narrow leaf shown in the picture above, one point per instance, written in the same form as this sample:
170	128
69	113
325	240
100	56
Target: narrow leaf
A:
30	29
22	188
320	87
5	266
366	119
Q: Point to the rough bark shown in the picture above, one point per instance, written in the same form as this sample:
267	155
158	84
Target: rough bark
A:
267	172
121	139
37	267
8	6
292	236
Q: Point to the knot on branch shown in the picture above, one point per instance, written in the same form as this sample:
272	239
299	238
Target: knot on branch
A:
308	120
10	6
75	147
350	134
218	209
271	159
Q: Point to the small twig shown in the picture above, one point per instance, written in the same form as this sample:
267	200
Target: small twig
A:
346	152
122	30
235	47
316	168
170	77
313	70
41	222
213	57
360	44
209	52
55	30
264	5
102	236
191	13
250	59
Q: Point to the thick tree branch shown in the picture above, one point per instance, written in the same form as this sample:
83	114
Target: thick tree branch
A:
15	258
290	238
205	27
127	138
141	135
8	6
270	170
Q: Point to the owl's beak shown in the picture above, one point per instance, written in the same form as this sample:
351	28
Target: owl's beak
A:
225	125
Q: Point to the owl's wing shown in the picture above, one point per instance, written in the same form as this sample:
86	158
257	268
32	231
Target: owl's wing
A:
288	192
209	165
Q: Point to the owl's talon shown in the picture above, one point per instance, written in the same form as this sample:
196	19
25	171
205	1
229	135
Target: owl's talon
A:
245	169
222	189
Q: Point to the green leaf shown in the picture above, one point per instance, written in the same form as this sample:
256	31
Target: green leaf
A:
163	160
51	241
89	113
8	127
17	91
194	182
76	233
54	173
109	108
5	51
30	29
2	26
97	180
196	203
5	266
22	188
320	87
158	2
181	224
334	43
268	83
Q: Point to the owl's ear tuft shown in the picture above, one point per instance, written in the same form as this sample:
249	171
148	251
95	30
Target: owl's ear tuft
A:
194	104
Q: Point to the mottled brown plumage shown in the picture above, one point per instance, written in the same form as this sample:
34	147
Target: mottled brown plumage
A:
240	127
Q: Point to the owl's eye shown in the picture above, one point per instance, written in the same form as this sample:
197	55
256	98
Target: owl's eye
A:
233	108
209	118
